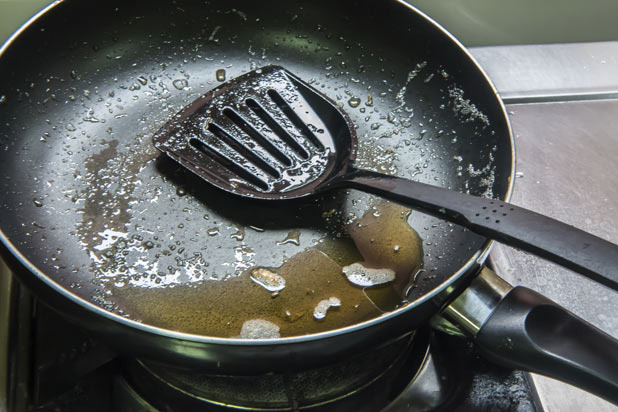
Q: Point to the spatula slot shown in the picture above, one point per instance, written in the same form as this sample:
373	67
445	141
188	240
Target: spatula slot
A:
276	128
257	136
295	119
242	150
228	164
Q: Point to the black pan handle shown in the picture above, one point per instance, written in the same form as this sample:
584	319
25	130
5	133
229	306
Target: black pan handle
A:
515	226
528	331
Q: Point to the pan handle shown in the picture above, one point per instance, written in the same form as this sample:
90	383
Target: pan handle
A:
519	328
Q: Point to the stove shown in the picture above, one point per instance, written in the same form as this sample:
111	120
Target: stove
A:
562	100
55	367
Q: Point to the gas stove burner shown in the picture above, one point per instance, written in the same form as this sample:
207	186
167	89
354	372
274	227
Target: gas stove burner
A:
366	382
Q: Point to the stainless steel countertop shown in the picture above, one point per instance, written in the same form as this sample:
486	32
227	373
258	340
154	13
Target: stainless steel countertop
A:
552	72
564	113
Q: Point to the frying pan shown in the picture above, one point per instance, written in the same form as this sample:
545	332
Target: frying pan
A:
84	88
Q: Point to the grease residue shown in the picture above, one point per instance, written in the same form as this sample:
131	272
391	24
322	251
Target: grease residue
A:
220	308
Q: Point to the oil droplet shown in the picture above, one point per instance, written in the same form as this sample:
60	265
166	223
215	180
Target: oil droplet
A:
292	237
37	202
213	231
369	101
271	281
259	329
519	174
320	310
181	191
142	80
2	99
180	83
220	75
362	276
354	101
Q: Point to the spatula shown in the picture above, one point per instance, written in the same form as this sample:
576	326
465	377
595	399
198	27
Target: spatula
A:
269	135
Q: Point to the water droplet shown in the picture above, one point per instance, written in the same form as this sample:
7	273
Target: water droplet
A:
180	83
369	101
239	234
37	202
143	80
2	99
220	75
149	244
70	127
375	126
213	231
354	101
519	174
213	34
292	237
181	191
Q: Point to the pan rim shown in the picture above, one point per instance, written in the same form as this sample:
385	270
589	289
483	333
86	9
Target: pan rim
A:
477	258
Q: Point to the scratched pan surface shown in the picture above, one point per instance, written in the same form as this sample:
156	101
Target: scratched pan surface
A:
94	219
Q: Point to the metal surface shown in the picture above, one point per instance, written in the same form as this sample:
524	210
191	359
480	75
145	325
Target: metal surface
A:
471	308
558	72
6	283
364	383
578	169
425	392
20	345
485	23
558	184
106	69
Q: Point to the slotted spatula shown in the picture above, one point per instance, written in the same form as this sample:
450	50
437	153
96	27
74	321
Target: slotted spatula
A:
269	135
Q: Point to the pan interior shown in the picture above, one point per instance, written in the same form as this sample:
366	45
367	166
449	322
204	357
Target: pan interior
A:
91	204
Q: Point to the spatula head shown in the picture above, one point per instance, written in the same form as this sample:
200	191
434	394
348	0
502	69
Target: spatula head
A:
266	134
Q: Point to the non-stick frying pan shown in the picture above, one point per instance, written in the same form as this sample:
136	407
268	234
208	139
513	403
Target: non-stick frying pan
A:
96	224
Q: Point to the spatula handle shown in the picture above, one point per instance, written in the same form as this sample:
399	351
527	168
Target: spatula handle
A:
512	225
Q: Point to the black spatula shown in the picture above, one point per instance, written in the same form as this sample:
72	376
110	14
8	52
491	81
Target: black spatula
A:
269	135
